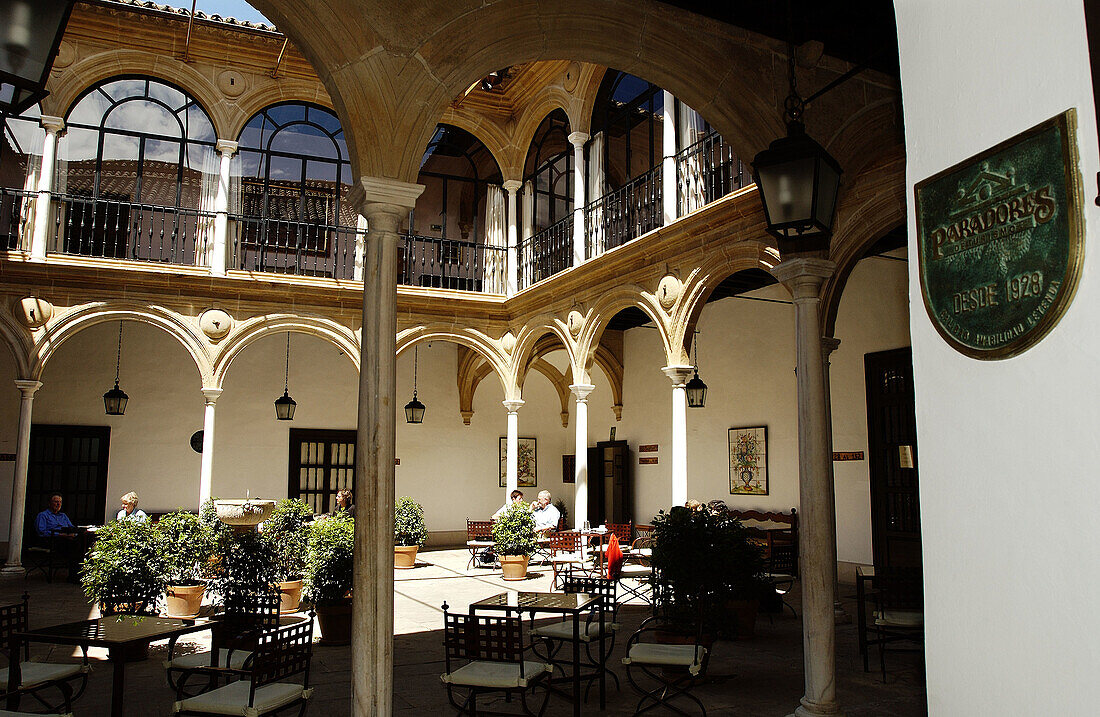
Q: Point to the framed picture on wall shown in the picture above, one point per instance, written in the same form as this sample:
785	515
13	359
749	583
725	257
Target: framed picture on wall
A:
526	461
749	460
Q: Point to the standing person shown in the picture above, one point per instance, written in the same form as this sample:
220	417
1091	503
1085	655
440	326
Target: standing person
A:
546	515
515	496
130	510
343	503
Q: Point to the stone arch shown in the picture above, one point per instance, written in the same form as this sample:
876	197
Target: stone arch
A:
489	133
84	316
605	308
257	327
287	89
531	334
488	349
66	87
18	343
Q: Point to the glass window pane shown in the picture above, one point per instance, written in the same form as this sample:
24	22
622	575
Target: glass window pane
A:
304	140
118	174
168	95
90	109
144	117
199	127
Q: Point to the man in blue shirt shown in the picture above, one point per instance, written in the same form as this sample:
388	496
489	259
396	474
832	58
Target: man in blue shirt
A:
52	521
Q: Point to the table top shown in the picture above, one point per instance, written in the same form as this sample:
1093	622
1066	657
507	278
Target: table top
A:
565	603
865	571
115	630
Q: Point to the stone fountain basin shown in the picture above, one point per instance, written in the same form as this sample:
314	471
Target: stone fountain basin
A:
243	511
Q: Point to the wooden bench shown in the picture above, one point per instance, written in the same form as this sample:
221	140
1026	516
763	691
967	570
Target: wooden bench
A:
770	527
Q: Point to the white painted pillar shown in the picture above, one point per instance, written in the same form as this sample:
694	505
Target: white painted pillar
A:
803	277
27	390
577	139
226	150
511	481
46	176
580	500
206	473
512	186
528	211
669	194
385	203
679	375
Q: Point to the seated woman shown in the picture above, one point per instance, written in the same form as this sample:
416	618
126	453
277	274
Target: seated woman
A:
130	510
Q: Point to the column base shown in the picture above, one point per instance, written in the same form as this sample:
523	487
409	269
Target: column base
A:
12	571
815	709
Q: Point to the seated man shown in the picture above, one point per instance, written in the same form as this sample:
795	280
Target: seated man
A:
515	496
52	521
546	515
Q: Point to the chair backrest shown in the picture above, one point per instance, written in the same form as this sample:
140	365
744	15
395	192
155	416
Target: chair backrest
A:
622	530
643	530
479	529
282	653
482	637
245	616
783	559
14	618
578	582
565	541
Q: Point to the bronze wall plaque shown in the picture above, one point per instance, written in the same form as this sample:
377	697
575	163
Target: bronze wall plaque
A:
647	448
1000	241
647	461
847	455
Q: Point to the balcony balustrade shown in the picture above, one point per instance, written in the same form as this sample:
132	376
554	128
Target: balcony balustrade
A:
16	210
546	253
624	214
280	246
705	172
451	264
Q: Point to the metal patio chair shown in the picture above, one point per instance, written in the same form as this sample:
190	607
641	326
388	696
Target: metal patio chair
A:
70	679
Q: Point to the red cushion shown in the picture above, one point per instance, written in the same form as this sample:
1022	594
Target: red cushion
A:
614	558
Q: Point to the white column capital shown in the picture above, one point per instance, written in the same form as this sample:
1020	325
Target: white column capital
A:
511	185
53	125
577	139
384	201
803	276
581	391
211	395
226	146
27	387
679	375
513	406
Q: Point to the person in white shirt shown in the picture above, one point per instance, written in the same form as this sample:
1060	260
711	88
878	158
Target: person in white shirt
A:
515	496
130	510
546	515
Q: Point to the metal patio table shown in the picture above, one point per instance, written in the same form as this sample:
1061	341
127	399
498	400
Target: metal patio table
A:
562	604
114	632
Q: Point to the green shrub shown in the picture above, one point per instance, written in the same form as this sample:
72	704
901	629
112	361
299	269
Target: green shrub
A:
408	523
329	559
187	546
247	565
514	531
286	530
126	564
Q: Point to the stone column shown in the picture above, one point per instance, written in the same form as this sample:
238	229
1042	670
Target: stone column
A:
803	277
828	345
360	242
669	194
46	175
511	481
27	390
226	150
577	139
512	186
580	499
679	375
384	202
206	473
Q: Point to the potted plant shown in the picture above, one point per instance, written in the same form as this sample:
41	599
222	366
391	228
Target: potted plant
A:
707	565
563	511
186	545
246	565
514	540
409	532
286	531
328	576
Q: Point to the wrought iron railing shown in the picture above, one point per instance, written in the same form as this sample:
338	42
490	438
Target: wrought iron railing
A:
624	214
451	264
706	171
546	253
116	229
16	212
280	246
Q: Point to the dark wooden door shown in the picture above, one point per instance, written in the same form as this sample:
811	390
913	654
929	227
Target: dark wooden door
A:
321	463
892	448
72	461
609	496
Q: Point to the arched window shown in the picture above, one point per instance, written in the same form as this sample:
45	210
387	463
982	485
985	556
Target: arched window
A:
20	161
628	113
136	168
549	168
294	178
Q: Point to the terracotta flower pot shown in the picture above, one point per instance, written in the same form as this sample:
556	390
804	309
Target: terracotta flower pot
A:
404	556
742	617
335	623
183	600
514	567
290	595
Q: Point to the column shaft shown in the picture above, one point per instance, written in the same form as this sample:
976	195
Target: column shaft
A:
512	264
580	499
206	474
511	481
669	193
27	390
577	139
226	150
46	175
679	375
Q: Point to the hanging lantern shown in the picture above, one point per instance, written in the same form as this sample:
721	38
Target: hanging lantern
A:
115	400
696	389
414	409
30	33
285	405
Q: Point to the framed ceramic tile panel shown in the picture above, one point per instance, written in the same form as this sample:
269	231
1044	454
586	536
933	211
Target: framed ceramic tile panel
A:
749	460
527	465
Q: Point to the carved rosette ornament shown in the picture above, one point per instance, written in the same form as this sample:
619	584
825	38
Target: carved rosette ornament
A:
575	322
669	290
508	342
215	323
33	312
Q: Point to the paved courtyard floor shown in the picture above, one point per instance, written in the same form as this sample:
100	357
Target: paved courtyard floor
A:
761	675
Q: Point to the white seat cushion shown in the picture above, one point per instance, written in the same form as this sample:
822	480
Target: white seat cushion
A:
567	558
233	699
35	673
202	659
479	543
899	618
634	570
502	675
640	553
564	630
651	653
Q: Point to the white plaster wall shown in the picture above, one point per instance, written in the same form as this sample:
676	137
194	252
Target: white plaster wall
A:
9	433
1008	448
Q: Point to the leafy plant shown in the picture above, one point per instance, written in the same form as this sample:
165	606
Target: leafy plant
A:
187	545
286	530
408	523
126	565
329	559
514	531
563	511
247	565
